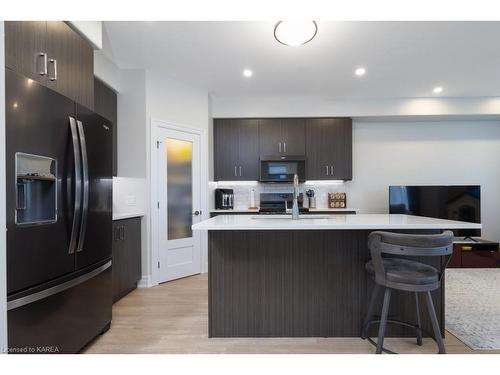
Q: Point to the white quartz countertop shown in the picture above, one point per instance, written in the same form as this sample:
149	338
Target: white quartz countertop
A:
235	210
310	210
332	209
127	215
332	222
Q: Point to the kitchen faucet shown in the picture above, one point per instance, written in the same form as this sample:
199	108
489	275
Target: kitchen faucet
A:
295	207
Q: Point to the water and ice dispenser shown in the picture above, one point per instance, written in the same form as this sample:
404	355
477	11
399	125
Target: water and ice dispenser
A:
36	194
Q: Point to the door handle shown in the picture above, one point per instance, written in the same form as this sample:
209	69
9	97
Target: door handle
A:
54	76
196	213
284	146
240	170
85	204
326	169
42	72
78	185
331	170
280	146
235	173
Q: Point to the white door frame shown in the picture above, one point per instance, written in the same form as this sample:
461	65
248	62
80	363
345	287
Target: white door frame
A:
154	193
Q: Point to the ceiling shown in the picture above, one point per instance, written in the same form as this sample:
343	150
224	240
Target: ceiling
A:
402	59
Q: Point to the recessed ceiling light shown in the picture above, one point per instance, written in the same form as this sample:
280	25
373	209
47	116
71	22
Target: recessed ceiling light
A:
295	33
247	73
360	72
438	90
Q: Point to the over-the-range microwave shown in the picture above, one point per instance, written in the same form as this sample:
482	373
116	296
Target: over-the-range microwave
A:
282	168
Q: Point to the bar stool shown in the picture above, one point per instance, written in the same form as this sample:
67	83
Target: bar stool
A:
397	273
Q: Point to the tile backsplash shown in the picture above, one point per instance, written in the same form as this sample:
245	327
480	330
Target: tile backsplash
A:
242	191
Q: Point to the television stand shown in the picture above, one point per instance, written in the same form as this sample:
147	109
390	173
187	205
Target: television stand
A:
475	253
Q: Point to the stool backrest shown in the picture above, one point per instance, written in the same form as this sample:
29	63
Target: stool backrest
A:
407	245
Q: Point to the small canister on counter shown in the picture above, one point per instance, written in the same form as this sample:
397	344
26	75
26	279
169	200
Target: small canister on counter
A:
312	198
337	200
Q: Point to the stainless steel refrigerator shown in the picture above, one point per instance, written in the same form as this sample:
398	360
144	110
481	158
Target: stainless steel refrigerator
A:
59	219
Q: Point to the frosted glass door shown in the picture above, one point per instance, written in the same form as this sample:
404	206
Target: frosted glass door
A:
179	155
179	186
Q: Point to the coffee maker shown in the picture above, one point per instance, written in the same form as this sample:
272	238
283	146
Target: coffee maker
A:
224	199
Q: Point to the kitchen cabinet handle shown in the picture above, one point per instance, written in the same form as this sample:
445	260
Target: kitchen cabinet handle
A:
240	170
44	55
284	146
331	170
326	170
280	146
54	62
235	174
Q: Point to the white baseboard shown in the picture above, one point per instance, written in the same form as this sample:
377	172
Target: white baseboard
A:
146	281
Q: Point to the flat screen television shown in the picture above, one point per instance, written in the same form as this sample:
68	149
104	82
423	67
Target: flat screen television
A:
454	202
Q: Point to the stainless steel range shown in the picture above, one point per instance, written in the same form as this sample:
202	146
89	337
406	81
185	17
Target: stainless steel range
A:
274	203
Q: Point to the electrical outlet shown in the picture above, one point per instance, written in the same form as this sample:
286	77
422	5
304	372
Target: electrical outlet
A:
130	200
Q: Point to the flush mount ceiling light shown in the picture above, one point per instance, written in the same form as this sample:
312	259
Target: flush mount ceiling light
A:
360	71
247	73
295	33
437	90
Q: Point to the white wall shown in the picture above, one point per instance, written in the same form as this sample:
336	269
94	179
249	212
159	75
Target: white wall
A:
309	106
131	138
104	66
3	245
406	153
91	30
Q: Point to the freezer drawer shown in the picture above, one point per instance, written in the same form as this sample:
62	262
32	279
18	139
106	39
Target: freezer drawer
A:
63	318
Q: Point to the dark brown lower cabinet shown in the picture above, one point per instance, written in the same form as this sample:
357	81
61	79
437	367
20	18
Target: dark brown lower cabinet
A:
126	256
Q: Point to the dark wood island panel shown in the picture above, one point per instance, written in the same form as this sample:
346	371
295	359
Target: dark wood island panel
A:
300	283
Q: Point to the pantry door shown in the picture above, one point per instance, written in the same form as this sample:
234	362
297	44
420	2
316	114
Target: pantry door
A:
179	188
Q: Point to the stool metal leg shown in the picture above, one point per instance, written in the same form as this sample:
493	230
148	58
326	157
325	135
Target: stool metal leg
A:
383	320
369	313
419	323
435	324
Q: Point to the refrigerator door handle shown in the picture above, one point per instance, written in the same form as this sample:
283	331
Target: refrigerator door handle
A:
14	304
83	225
78	186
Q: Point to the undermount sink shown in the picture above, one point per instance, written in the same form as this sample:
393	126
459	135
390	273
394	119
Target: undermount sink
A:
289	217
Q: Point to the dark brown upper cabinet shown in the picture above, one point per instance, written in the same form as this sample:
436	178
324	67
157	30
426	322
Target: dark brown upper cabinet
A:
26	49
282	136
105	104
329	149
236	149
54	55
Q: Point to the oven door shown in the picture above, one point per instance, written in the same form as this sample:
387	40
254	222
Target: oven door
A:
282	169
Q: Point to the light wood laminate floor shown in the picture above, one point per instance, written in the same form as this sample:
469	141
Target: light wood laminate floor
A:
173	318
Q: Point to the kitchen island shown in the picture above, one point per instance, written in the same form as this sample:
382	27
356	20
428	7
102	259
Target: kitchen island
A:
271	276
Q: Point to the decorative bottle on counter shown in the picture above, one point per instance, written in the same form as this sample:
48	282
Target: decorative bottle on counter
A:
252	199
